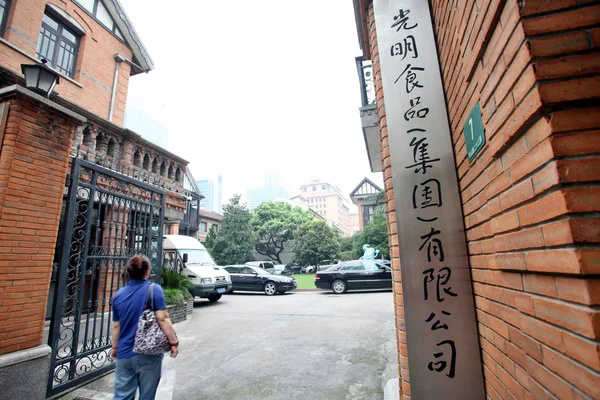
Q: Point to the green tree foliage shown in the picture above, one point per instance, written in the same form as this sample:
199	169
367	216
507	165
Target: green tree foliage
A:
275	224
374	234
315	241
211	239
234	243
347	248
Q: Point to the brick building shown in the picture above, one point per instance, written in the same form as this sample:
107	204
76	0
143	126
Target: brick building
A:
78	193
530	198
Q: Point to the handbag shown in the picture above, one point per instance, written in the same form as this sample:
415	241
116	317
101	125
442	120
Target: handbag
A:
149	337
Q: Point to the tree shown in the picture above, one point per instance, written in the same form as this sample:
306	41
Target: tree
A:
375	234
211	238
315	241
347	251
234	243
275	223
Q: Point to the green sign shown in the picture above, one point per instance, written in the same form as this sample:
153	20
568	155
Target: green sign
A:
474	134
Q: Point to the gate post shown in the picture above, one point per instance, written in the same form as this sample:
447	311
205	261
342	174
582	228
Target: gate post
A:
35	145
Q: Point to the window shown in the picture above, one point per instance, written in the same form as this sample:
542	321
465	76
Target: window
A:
324	187
97	9
314	188
58	44
232	270
4	6
202	226
367	212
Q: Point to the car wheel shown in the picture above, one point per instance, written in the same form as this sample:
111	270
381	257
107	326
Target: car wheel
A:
270	288
214	298
338	286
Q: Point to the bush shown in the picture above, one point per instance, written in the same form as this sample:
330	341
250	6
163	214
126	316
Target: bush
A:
176	297
171	279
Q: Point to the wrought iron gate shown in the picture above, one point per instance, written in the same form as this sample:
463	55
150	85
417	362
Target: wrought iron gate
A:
109	217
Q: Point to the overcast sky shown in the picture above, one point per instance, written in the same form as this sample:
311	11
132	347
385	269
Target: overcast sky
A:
246	87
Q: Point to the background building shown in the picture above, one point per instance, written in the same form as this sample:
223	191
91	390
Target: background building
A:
328	201
209	220
363	196
271	189
212	193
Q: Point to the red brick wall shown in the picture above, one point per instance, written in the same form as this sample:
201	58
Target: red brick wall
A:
95	62
33	168
531	197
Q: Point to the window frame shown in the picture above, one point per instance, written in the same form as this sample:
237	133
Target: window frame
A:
93	13
4	18
62	26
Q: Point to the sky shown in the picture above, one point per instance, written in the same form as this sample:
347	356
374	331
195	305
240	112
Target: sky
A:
246	87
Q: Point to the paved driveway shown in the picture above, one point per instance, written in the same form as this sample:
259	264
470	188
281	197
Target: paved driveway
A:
302	345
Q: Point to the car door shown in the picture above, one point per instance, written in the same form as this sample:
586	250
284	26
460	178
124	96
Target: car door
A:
252	280
353	274
377	275
236	280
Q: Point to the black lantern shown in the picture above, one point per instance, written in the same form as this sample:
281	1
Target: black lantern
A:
40	78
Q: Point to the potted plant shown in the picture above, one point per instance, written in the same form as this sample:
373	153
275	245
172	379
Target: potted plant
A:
177	294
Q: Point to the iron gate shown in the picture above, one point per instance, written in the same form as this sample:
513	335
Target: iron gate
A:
109	217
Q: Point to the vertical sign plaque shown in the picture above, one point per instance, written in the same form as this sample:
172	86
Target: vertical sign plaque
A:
443	345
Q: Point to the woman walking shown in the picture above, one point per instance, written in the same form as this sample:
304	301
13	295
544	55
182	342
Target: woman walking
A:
136	371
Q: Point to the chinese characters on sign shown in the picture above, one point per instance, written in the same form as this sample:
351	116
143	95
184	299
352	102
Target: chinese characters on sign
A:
443	347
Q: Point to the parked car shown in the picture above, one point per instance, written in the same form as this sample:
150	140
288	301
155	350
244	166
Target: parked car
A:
326	264
256	279
353	275
266	265
188	256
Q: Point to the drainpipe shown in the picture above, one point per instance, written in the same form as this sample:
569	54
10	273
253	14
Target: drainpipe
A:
118	59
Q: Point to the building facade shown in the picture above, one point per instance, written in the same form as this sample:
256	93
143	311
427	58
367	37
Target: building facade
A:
530	196
209	220
328	201
366	198
79	194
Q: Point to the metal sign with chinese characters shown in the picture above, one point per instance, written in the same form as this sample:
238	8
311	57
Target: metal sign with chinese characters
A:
474	134
443	345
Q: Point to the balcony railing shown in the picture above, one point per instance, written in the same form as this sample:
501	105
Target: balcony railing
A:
365	78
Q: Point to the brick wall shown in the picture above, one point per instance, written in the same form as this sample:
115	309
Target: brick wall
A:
531	197
95	67
31	190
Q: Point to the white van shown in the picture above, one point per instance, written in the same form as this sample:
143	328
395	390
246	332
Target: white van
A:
188	256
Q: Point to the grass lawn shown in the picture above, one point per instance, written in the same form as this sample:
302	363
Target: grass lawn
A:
305	281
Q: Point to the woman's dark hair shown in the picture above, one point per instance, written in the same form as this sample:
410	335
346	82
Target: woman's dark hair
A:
137	266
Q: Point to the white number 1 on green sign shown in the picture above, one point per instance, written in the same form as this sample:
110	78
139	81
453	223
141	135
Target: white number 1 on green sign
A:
471	126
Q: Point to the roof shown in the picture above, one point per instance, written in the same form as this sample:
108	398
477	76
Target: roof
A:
365	188
211	215
141	57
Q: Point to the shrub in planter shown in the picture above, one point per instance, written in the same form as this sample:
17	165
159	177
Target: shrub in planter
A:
176	287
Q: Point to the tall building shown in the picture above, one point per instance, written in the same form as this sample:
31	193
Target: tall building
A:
213	194
207	189
328	201
269	191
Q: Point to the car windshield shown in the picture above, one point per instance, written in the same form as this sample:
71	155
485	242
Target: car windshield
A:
198	256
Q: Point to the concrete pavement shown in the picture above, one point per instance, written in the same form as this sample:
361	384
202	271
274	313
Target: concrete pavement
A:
303	345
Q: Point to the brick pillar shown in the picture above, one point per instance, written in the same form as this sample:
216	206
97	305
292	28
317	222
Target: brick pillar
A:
33	167
531	197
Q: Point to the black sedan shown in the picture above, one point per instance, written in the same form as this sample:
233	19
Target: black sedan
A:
355	274
245	277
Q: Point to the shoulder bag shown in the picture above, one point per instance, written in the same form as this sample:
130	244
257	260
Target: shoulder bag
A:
149	337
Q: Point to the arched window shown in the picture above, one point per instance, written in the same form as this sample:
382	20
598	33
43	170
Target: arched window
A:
111	148
178	175
163	169
146	164
155	165
171	174
137	158
88	136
